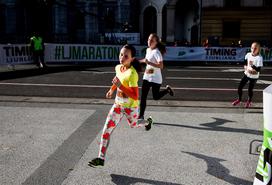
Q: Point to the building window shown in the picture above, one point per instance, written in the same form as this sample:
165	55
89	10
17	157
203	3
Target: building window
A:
110	18
232	3
2	19
231	29
80	20
267	3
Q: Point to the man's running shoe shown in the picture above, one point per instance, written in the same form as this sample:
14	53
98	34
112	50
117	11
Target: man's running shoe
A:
170	91
248	104
150	122
96	162
236	102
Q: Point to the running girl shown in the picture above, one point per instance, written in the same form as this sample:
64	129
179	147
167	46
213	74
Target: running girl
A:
152	75
252	72
126	101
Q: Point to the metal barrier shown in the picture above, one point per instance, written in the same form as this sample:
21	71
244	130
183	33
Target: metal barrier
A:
257	148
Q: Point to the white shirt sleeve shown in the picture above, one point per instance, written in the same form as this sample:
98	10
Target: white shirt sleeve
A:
260	62
158	56
246	57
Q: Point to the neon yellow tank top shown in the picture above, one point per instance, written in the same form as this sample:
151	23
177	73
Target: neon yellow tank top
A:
128	78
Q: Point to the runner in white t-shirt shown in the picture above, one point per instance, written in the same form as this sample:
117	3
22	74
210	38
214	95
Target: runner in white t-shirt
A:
152	75
252	72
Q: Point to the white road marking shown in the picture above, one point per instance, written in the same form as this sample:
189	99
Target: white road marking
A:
216	79
210	67
198	78
103	86
204	70
192	70
210	89
221	67
264	82
266	75
212	71
99	72
233	70
55	85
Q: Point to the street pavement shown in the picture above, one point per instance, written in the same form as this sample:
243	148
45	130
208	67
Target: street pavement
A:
191	83
51	143
51	121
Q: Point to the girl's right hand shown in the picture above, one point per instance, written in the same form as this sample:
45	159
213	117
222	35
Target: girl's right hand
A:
109	94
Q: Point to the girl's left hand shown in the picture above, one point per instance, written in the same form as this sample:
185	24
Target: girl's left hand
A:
109	94
116	81
147	62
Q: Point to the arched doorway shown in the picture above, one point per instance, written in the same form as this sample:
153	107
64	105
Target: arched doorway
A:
186	16
150	22
194	35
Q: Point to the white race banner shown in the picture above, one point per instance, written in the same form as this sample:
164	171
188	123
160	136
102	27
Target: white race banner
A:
81	53
15	54
204	54
1	55
76	53
184	54
228	54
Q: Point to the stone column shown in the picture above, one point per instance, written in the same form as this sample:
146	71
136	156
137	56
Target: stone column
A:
10	17
124	12
60	19
170	30
87	22
141	26
159	24
93	22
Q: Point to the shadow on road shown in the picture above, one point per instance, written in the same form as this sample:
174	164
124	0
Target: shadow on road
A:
216	169
215	126
126	180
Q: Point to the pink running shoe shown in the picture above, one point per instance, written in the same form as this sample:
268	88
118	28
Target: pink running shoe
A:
236	102
248	104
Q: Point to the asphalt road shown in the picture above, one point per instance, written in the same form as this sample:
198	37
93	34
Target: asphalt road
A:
191	83
51	143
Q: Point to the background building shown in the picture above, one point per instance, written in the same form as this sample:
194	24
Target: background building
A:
184	22
227	21
74	21
173	20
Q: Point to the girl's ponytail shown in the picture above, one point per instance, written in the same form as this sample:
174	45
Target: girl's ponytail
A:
161	47
137	65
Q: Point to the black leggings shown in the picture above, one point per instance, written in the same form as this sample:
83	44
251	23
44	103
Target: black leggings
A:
243	82
157	94
38	56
